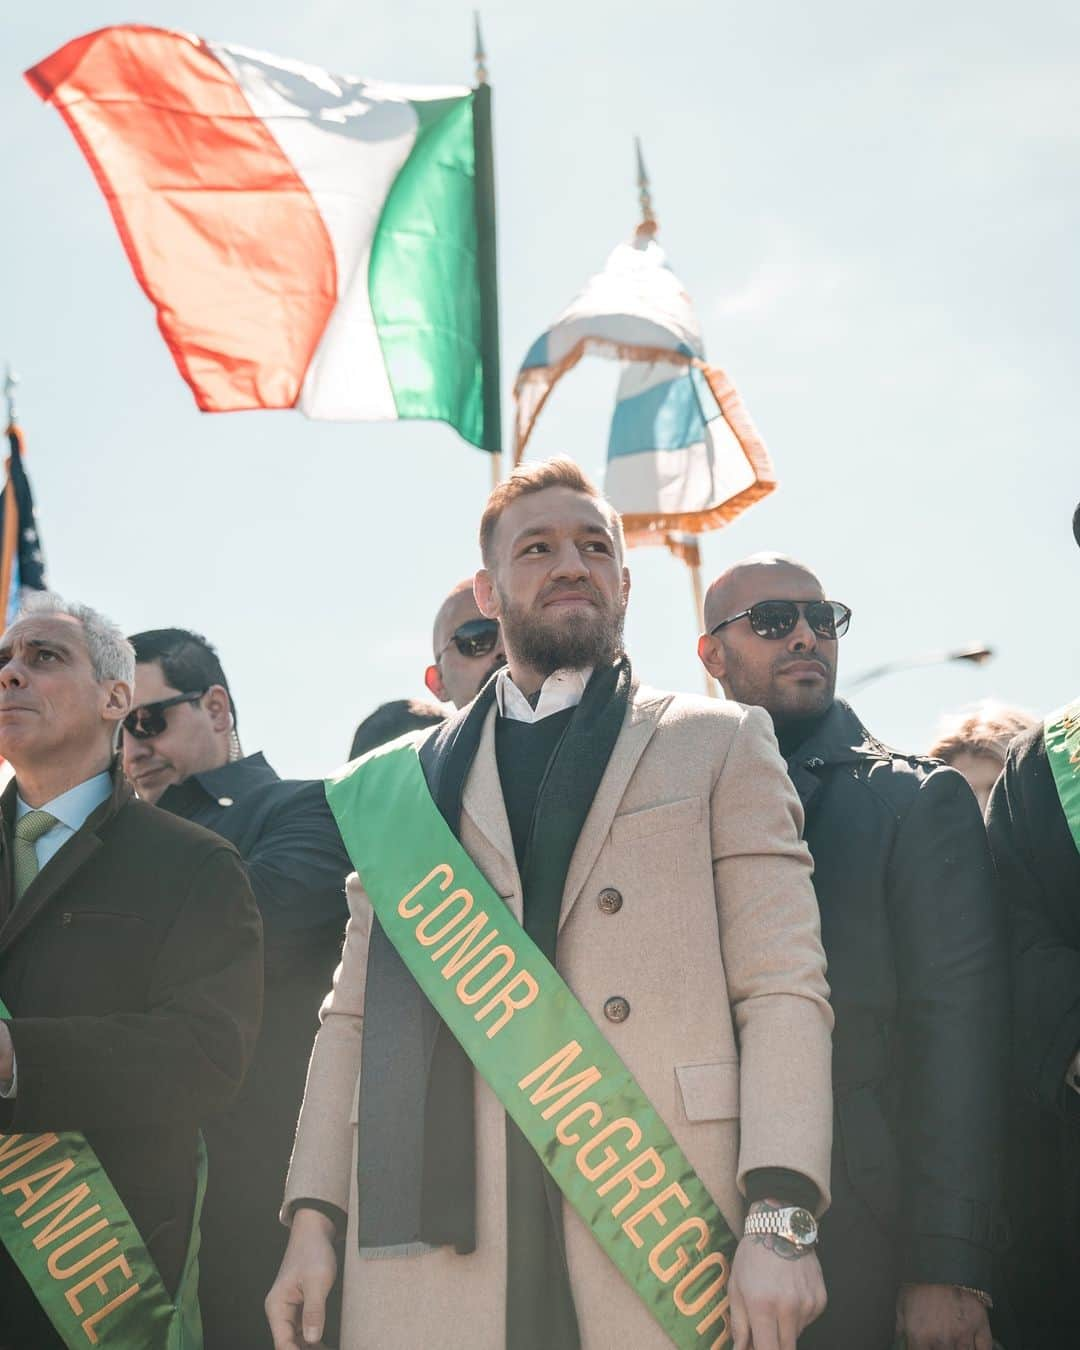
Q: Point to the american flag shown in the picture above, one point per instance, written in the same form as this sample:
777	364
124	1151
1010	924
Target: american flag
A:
22	566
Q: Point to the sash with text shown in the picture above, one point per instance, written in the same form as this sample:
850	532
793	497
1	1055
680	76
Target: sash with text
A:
1062	735
78	1249
545	1059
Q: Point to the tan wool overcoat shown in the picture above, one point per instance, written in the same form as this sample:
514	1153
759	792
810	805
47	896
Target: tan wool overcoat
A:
716	949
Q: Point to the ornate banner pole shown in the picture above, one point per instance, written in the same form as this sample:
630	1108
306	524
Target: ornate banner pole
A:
489	293
683	546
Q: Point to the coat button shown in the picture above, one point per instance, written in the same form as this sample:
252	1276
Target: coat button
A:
224	801
617	1009
609	900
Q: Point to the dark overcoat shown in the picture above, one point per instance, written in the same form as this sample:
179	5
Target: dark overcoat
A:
1039	872
916	952
297	864
132	968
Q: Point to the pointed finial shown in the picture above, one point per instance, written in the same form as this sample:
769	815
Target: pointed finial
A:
649	224
480	54
10	381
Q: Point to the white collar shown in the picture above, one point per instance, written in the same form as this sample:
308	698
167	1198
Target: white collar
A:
72	807
562	689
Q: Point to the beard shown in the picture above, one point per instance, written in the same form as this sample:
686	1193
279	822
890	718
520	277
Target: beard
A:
786	703
549	642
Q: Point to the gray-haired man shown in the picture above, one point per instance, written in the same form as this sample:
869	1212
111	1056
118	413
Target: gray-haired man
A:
131	982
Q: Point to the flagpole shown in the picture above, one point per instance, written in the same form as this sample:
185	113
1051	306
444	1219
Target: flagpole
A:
489	290
685	547
688	550
11	510
649	224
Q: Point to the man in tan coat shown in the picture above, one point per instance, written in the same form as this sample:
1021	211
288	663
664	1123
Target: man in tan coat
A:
649	844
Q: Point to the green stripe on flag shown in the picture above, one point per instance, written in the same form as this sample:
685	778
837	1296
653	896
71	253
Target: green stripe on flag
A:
423	279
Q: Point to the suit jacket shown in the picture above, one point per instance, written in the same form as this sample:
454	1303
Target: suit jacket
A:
1038	869
132	968
916	948
297	864
714	945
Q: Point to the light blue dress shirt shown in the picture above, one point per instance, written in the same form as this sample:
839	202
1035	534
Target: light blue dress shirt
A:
71	809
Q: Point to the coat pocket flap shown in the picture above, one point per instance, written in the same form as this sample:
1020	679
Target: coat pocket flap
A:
709	1091
680	815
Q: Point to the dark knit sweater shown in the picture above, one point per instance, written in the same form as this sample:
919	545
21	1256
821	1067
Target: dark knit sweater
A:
523	751
540	1305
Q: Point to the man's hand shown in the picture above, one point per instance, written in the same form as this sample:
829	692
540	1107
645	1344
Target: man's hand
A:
7	1055
941	1317
296	1305
776	1291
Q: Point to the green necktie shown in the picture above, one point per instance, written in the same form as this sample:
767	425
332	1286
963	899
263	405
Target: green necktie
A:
28	830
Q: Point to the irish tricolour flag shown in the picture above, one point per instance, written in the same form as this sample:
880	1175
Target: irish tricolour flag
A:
308	240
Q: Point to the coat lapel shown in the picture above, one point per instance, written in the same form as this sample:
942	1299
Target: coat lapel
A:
482	801
56	873
641	722
60	868
7	871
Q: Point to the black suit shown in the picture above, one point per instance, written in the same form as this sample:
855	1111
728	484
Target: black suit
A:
132	968
917	968
1039	871
297	865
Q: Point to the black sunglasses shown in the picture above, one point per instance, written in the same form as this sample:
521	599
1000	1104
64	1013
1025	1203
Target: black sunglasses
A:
775	619
148	719
477	637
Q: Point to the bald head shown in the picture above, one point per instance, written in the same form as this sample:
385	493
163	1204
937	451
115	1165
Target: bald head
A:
454	676
793	676
762	576
458	608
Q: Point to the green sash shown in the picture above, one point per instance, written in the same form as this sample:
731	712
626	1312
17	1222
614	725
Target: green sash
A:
1062	736
75	1243
538	1049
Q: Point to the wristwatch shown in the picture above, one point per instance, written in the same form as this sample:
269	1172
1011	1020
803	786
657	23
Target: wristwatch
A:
794	1224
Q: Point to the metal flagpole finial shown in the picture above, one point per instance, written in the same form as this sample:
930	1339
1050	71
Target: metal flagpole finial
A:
10	382
649	225
480	54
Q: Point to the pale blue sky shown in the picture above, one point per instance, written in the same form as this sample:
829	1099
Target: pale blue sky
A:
874	209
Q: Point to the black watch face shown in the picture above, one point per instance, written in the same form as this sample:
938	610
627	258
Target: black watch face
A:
803	1224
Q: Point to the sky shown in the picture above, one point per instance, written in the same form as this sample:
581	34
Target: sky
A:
874	209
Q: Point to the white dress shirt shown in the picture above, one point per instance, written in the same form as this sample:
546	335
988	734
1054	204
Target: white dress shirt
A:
71	809
562	689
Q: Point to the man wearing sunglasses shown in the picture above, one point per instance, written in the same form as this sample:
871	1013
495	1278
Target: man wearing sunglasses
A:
181	751
647	843
131	974
467	647
916	967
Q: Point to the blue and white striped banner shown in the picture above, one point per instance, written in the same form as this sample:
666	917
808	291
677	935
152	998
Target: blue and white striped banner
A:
682	452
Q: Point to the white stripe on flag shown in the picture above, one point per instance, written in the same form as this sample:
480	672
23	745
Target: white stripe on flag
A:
347	139
667	482
637	300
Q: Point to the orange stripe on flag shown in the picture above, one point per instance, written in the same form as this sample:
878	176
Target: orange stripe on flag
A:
223	235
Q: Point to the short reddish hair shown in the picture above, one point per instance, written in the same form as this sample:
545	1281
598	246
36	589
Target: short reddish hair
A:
561	471
986	730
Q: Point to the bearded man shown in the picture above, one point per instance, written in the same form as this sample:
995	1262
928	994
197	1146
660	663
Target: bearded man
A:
640	855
